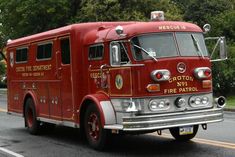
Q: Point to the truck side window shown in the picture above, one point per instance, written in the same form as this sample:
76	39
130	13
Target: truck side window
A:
21	55
124	56
118	54
44	51
65	50
96	52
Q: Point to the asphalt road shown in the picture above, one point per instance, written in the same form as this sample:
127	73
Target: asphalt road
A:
217	141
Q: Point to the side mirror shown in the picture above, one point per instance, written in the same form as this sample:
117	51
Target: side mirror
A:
115	54
206	28
221	45
223	50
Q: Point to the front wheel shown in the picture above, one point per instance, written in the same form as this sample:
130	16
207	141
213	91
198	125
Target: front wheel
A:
175	132
96	135
30	117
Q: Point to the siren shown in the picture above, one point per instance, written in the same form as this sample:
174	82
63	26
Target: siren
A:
220	101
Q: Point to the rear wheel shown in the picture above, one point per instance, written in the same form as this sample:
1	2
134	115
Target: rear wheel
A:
96	135
175	132
31	122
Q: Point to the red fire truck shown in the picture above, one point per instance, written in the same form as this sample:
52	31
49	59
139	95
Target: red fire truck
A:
115	77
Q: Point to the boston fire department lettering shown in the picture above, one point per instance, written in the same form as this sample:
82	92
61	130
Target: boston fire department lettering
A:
36	70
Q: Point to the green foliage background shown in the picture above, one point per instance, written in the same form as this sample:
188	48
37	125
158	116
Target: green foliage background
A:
25	17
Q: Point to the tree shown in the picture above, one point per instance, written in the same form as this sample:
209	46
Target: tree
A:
25	17
122	10
21	18
200	11
224	25
220	14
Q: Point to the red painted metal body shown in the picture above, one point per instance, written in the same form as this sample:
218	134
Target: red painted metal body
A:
59	90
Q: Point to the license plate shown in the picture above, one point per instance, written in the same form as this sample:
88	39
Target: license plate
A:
186	130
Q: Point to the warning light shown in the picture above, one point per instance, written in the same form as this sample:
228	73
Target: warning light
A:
157	16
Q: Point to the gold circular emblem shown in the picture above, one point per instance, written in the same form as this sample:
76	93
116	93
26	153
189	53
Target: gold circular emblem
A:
119	81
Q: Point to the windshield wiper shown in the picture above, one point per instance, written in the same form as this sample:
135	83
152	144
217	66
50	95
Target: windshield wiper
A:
145	51
197	46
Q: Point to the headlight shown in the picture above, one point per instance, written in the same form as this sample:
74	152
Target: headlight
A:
159	105
205	100
199	101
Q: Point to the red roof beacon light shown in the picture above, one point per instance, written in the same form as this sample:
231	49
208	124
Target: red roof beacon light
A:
157	16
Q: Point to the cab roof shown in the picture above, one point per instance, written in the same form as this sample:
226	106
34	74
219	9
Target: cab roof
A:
105	31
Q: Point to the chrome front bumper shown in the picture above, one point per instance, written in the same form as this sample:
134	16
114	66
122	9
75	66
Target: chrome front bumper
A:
168	120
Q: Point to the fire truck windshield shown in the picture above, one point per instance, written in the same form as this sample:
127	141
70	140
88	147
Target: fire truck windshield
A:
164	45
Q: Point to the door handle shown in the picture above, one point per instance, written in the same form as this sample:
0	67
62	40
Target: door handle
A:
58	73
103	79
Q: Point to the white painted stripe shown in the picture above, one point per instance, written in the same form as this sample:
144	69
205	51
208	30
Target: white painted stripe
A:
10	152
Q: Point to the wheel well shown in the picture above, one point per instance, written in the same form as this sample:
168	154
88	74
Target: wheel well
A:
83	109
25	99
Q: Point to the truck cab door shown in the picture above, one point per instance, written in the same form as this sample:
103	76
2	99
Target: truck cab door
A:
120	77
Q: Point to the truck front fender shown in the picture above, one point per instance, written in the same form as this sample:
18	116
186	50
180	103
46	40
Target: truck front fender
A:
104	106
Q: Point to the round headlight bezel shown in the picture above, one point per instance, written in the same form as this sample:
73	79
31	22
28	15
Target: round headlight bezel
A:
159	105
199	101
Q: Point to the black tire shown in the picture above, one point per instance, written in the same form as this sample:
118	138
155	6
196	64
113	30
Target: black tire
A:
175	133
96	135
31	122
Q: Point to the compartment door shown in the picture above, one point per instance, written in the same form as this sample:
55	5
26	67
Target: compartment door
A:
64	68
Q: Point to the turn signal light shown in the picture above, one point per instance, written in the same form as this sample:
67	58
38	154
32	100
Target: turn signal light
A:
206	84
153	88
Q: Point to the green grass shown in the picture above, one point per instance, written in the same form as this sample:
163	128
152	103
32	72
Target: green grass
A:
230	102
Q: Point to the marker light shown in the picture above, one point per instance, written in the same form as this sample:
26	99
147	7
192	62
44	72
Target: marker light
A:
206	84
161	75
153	88
202	72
